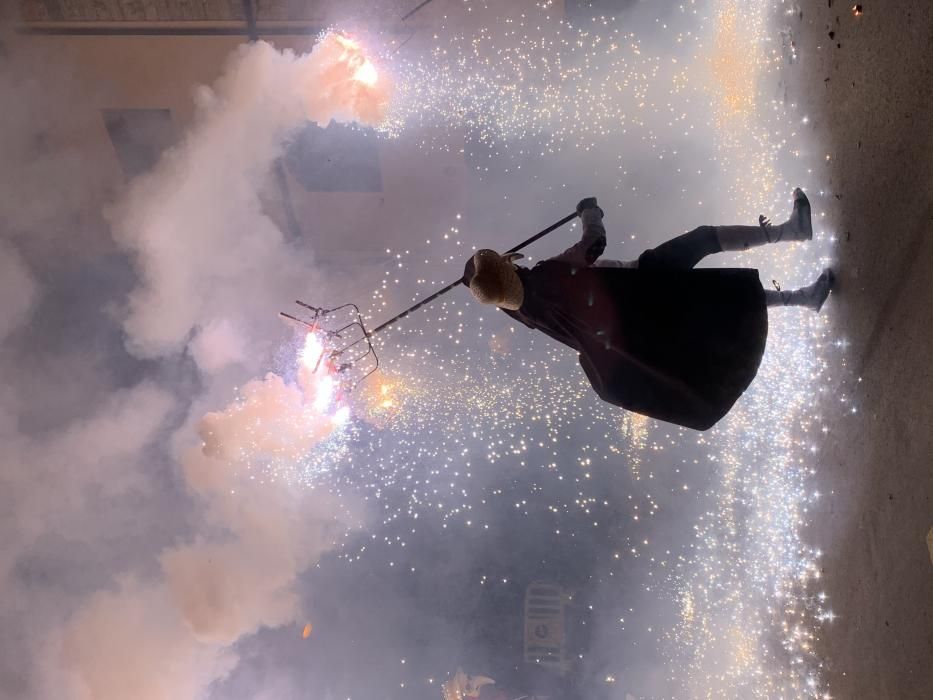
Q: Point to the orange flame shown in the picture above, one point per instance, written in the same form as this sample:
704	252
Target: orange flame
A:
345	84
381	399
275	417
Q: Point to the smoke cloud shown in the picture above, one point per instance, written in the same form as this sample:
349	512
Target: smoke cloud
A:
211	269
206	254
195	226
18	289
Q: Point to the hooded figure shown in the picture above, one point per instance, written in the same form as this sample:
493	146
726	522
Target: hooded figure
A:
655	336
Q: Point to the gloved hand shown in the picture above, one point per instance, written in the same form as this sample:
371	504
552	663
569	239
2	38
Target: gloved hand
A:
588	203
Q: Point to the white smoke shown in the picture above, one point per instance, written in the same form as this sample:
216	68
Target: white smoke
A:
44	481
206	251
212	264
116	640
219	344
212	270
18	289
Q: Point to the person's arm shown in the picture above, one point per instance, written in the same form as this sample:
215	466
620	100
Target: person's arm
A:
593	242
631	264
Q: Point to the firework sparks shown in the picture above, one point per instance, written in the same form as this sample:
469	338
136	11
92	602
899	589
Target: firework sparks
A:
419	440
746	588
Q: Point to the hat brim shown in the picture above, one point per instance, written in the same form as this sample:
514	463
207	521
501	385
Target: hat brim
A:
495	280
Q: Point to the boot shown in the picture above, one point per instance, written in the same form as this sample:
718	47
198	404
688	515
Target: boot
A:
812	297
797	228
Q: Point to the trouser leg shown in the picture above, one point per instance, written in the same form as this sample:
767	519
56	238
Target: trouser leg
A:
812	296
797	228
741	237
685	251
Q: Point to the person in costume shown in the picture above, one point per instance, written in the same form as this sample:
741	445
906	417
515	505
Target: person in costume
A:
656	335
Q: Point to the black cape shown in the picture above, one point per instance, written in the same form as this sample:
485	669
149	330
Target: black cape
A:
676	345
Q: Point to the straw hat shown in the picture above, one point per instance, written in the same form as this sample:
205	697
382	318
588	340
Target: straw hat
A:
494	279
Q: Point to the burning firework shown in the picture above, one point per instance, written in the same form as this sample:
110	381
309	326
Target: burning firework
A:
340	73
276	419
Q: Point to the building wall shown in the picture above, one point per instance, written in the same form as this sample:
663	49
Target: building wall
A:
152	54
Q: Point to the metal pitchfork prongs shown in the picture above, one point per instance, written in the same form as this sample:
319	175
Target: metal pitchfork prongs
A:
343	329
326	323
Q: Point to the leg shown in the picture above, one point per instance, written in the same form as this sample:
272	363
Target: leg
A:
683	252
796	228
812	297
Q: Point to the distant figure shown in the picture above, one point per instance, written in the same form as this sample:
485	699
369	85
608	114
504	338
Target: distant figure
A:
655	335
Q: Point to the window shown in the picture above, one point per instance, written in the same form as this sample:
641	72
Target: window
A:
139	136
339	158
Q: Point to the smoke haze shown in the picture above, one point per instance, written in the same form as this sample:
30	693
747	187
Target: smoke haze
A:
181	493
210	264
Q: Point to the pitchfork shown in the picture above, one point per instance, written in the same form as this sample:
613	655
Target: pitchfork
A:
343	325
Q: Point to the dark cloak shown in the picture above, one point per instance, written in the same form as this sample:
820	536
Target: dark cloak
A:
678	345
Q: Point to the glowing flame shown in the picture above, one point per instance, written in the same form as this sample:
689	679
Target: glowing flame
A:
325	392
367	74
381	399
306	632
342	415
386	399
363	69
276	418
317	380
312	352
344	83
734	75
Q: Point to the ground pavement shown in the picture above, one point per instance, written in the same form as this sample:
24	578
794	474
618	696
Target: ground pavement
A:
867	81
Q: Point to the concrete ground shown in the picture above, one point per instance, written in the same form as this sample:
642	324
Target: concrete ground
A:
869	81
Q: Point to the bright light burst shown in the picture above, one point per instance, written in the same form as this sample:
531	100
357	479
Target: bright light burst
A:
277	420
367	74
342	82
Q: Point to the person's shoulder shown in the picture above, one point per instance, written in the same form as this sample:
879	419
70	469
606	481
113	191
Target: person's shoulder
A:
553	265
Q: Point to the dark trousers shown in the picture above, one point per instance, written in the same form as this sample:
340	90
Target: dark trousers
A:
683	252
